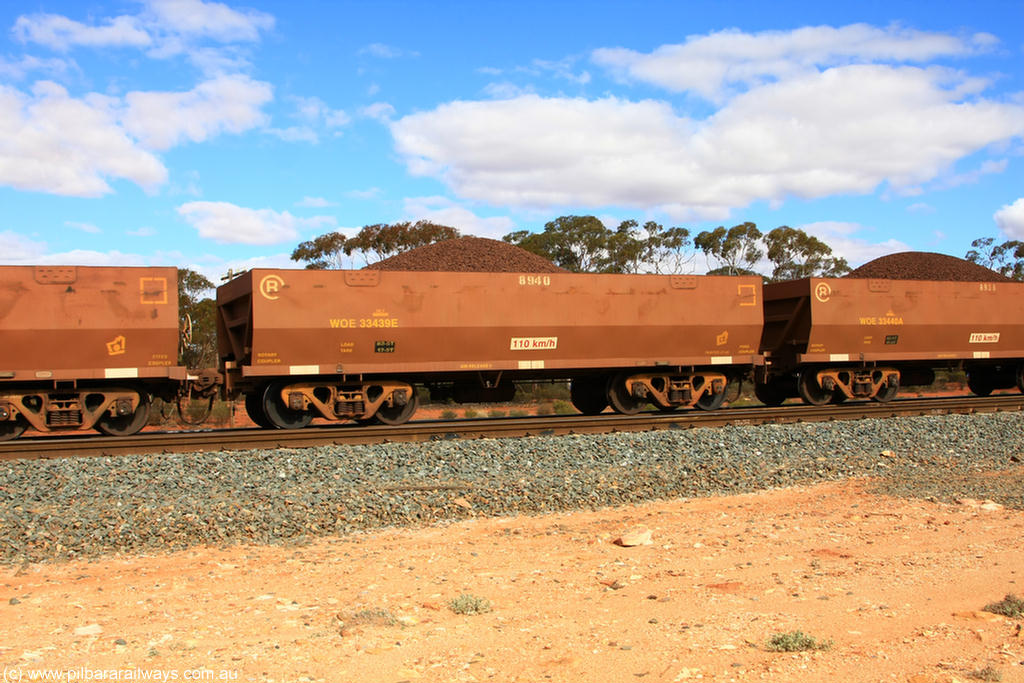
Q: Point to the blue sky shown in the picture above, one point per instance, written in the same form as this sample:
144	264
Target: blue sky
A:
220	135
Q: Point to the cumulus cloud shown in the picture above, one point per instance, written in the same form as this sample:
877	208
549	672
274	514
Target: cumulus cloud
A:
55	143
60	33
1010	219
847	129
160	23
444	211
163	29
712	65
231	104
232	224
210	19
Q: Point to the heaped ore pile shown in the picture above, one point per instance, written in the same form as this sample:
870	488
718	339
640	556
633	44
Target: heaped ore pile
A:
924	265
469	254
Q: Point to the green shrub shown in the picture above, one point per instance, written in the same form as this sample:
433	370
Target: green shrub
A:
469	604
496	412
518	412
796	641
1010	606
471	412
563	408
448	414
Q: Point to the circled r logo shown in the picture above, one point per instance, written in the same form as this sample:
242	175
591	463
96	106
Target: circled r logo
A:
270	286
822	292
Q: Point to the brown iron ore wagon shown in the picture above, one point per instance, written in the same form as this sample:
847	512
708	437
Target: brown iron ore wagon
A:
828	339
355	344
84	347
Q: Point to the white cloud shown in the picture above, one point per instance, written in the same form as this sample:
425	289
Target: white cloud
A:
314	202
384	51
210	19
382	111
84	227
843	239
294	134
62	145
443	211
163	28
231	224
19	250
711	65
16	70
371	193
848	129
231	104
1010	219
921	207
60	33
53	142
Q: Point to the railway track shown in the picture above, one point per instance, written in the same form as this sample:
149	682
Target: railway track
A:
83	445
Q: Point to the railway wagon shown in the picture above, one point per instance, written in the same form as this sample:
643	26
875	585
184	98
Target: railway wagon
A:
354	345
84	347
828	339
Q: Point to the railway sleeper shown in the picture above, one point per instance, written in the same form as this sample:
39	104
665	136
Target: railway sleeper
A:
387	401
117	410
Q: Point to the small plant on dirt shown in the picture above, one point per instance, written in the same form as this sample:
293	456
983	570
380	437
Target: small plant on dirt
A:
448	414
496	412
563	408
518	412
544	409
469	604
796	641
989	673
377	616
471	413
1010	606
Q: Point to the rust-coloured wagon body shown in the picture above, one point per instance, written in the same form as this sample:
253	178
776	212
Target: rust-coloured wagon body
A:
863	338
479	329
80	346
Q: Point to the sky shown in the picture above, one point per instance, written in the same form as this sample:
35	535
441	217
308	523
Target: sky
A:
218	136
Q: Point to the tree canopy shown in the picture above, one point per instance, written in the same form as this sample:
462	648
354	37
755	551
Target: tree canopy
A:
198	313
373	242
1006	258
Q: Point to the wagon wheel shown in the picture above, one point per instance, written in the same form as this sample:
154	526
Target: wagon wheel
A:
396	414
980	382
254	409
126	425
12	429
838	396
1019	376
770	393
588	395
278	414
887	393
710	401
809	389
620	398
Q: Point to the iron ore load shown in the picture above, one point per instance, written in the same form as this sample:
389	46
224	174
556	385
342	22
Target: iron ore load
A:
466	320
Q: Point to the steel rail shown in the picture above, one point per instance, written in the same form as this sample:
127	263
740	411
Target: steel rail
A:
235	439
